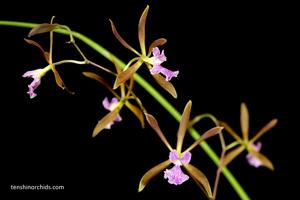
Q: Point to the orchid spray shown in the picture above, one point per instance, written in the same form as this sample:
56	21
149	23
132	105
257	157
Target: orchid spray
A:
122	95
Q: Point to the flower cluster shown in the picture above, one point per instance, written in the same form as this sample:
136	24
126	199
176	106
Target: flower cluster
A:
175	175
121	87
254	157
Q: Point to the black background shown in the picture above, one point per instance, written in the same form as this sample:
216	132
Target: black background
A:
226	54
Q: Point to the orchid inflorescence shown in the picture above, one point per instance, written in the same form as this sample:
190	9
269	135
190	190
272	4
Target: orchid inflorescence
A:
123	95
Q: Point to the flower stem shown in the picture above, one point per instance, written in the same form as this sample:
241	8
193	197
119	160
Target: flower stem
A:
156	95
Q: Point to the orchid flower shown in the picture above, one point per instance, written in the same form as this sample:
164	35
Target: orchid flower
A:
116	104
179	158
153	63
39	73
110	106
157	59
37	76
254	157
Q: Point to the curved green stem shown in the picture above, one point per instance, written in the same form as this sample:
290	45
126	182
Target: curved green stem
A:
156	95
202	116
70	61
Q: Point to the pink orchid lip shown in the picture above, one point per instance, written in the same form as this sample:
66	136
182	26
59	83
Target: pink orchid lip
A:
36	75
253	160
177	160
186	158
175	175
166	72
158	58
110	106
257	146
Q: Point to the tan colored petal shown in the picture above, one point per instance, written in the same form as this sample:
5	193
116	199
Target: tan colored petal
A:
117	66
101	80
59	80
156	43
233	154
264	160
152	173
265	129
127	74
183	125
142	24
200	178
137	112
244	121
107	119
211	132
230	131
129	87
121	40
122	86
165	84
42	28
45	54
153	123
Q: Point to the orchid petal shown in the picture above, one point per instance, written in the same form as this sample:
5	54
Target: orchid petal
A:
153	123
156	43
165	85
137	112
186	158
173	156
36	75
175	175
152	173
233	154
106	120
157	68
230	131
200	178
211	132
265	129
244	121
42	28
101	80
59	80
106	103
121	40
127	74
183	125
45	54
142	24
264	160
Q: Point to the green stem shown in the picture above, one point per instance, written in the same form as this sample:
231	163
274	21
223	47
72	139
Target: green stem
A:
235	184
70	61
